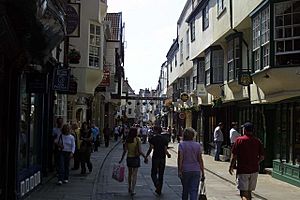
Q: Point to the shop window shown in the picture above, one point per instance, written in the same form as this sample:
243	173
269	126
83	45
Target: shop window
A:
297	136
23	129
29	128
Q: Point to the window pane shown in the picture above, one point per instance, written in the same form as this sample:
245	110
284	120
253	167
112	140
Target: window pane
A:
92	29
288	59
297	44
279	21
287	32
98	30
278	33
287	8
296	31
287	20
296	6
97	41
288	45
279	9
92	40
279	46
296	18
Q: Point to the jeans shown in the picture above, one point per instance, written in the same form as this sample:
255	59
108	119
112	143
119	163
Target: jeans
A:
218	145
190	185
86	159
158	167
64	163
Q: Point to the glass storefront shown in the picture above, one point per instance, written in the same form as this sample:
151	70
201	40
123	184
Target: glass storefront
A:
30	127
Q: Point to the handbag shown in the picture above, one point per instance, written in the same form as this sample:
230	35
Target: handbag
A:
202	195
118	172
59	146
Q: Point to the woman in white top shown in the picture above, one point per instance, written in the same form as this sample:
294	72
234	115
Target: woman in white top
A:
66	147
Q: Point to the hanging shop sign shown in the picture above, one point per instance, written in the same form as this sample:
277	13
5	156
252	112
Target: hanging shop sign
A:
245	78
73	19
36	83
184	97
61	80
106	77
72	87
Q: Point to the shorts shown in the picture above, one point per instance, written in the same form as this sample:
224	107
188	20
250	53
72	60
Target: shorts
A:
247	182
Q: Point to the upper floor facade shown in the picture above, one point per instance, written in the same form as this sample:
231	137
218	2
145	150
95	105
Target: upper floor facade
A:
220	42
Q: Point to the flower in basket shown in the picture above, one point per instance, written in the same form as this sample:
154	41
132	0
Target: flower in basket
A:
74	56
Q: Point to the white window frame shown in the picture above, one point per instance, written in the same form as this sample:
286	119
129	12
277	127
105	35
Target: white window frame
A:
205	17
193	30
187	44
220	6
181	51
94	45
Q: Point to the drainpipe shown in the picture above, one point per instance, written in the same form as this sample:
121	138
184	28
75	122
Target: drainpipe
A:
230	14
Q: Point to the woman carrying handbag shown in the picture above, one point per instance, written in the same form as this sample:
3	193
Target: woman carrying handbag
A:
132	146
190	165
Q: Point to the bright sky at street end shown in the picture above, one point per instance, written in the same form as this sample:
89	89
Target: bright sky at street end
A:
150	27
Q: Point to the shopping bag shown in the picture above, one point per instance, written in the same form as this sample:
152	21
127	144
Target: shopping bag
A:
118	172
202	195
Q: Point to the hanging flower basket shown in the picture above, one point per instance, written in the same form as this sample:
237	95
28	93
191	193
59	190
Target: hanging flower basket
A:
74	56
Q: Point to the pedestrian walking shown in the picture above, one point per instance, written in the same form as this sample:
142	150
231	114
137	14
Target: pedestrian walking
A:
144	131
132	147
190	165
233	133
116	132
106	133
96	136
218	140
55	133
247	153
66	148
86	139
159	145
75	131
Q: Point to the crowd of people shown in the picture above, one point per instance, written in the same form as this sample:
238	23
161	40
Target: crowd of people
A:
70	141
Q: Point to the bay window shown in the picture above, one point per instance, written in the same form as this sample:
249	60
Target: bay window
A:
94	46
287	33
234	55
261	40
214	64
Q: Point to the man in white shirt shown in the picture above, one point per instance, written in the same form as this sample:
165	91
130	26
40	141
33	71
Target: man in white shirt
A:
218	140
233	133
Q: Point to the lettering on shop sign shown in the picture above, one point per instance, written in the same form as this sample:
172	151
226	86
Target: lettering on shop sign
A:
61	79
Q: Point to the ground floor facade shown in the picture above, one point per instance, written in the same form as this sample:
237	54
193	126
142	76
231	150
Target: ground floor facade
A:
277	125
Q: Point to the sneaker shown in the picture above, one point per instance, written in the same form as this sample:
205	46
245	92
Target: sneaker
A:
59	183
65	181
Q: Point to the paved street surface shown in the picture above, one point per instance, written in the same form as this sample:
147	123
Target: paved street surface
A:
100	186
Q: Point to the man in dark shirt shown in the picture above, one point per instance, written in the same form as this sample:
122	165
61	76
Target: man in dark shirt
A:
247	153
159	144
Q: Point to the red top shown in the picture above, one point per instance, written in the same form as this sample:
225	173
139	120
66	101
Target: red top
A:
248	150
